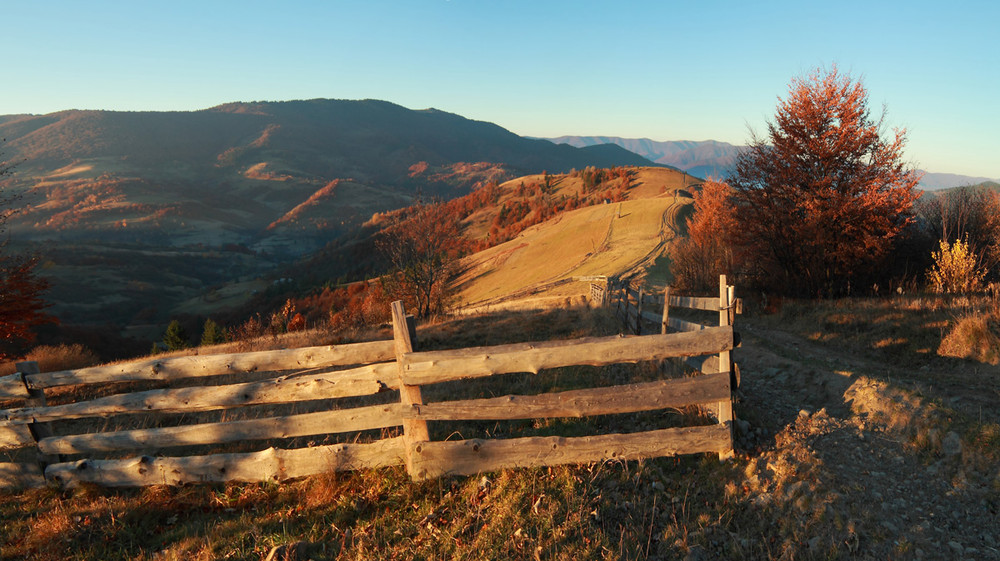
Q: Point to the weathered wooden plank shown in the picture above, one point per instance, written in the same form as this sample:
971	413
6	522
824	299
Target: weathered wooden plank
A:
15	436
686	326
271	464
37	399
364	380
725	406
665	316
12	387
467	457
304	424
17	476
442	366
695	303
674	323
214	365
414	430
581	403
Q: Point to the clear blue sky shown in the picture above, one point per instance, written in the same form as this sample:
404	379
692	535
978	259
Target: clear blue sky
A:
656	69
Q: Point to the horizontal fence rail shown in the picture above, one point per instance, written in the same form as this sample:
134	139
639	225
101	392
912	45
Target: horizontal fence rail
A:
216	365
321	377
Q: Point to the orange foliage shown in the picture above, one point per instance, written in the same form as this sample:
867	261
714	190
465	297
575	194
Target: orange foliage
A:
21	304
822	199
708	251
297	323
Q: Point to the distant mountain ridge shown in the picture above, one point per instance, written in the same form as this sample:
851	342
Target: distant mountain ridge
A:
702	158
713	158
127	205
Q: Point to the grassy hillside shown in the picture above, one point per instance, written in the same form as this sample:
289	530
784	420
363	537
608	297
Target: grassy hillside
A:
112	197
843	405
616	238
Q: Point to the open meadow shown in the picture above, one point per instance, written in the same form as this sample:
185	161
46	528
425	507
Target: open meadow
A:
848	447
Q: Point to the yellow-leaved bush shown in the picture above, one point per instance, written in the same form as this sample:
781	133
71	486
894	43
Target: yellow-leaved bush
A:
956	268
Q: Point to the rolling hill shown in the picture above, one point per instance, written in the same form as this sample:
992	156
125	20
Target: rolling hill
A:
539	265
136	213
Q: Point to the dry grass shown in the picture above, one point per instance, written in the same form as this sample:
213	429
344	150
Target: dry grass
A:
608	239
934	359
612	510
668	508
973	337
54	358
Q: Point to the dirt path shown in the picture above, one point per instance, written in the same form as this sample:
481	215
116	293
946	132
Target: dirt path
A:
861	467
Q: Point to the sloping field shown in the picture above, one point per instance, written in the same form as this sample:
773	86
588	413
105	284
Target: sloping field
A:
538	267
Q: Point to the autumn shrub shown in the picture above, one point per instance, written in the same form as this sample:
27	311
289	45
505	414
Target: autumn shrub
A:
62	357
969	214
973	337
956	269
297	323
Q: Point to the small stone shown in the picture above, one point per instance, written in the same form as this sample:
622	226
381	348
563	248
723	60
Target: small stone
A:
804	413
297	551
951	445
814	545
956	547
742	427
696	553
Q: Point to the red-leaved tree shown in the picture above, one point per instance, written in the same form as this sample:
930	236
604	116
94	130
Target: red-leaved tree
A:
422	249
708	250
21	304
823	197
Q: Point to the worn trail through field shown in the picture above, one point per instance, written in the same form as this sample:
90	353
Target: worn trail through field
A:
835	446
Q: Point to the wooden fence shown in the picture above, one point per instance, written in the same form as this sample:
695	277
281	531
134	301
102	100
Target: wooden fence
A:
639	312
336	373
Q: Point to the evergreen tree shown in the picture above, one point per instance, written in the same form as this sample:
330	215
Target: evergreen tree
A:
175	338
212	334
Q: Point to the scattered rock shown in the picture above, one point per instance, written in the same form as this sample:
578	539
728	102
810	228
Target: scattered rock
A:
297	551
742	427
956	547
951	445
804	413
696	553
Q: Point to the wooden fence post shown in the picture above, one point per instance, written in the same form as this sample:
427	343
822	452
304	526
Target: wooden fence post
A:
725	413
665	322
414	431
638	314
621	296
36	399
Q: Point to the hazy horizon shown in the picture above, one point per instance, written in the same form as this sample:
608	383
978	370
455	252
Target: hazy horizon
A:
643	70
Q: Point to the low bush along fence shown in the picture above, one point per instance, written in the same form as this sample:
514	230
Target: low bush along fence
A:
113	434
